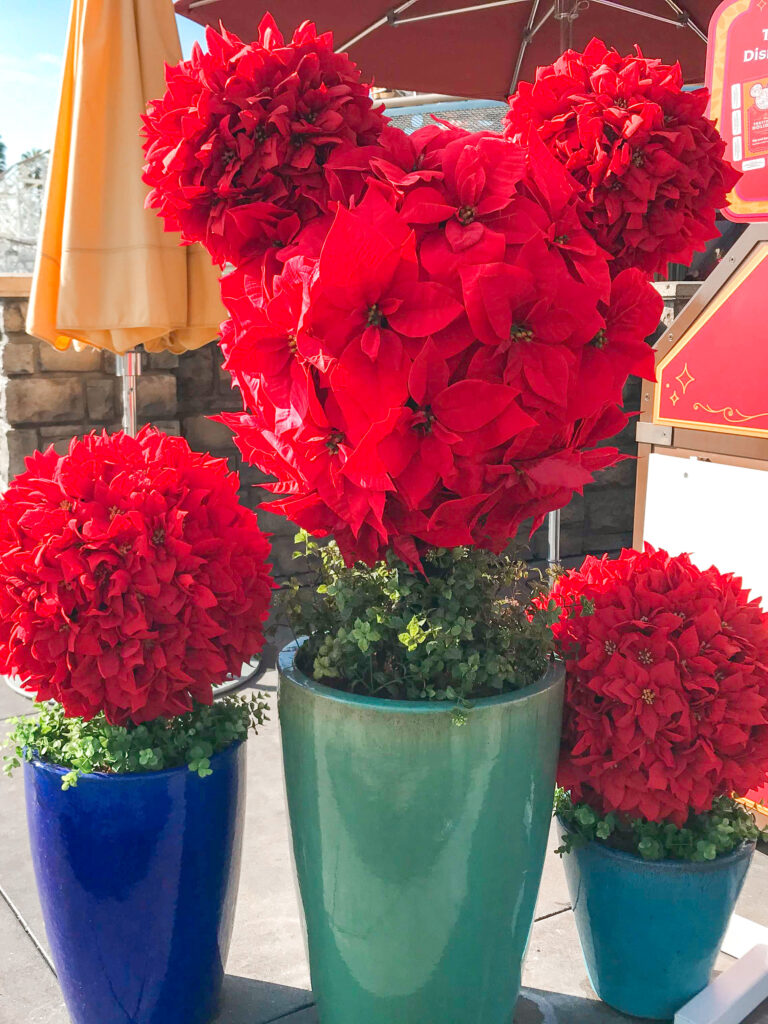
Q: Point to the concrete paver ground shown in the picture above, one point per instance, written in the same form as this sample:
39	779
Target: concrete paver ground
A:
267	974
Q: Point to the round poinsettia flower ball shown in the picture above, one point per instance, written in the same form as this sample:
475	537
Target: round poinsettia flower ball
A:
439	366
666	701
236	147
131	578
648	161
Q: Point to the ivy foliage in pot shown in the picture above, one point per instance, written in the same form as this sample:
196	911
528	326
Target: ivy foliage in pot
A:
367	632
131	581
665	720
430	334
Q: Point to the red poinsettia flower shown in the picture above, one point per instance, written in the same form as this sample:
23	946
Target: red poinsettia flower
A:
618	349
236	146
667	685
396	161
368	290
403	399
648	162
131	578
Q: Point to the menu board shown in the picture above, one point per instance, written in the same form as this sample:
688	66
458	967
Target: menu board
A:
737	78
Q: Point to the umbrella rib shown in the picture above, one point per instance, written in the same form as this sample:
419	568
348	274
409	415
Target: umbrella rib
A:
691	24
389	19
527	36
645	14
544	18
458	10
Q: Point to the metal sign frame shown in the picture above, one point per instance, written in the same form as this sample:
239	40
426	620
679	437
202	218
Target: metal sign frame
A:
687	441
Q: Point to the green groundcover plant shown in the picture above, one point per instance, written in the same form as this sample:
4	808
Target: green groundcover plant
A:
703	836
463	629
96	746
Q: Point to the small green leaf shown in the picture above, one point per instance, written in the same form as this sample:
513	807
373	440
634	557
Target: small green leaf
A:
585	815
96	746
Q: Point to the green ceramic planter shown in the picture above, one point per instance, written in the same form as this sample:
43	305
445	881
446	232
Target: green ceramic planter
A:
419	846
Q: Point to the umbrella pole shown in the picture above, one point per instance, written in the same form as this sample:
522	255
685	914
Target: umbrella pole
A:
553	537
129	371
565	12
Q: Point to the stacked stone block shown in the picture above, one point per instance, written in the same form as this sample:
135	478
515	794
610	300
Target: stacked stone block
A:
50	396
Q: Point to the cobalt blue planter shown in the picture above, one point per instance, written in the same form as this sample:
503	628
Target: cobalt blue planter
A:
650	931
137	876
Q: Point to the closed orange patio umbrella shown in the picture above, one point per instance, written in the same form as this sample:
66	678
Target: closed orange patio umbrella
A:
107	274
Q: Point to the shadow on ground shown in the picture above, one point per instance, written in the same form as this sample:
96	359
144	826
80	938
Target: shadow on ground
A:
248	1001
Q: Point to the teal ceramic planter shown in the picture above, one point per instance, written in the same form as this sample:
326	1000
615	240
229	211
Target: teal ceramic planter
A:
418	845
650	931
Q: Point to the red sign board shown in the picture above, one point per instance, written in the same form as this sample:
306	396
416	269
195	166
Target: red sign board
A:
737	78
714	377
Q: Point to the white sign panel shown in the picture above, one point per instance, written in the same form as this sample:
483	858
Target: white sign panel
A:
714	512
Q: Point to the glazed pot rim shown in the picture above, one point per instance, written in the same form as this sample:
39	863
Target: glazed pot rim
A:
58	769
668	864
288	669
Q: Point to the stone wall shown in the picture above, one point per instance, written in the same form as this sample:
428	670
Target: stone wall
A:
48	396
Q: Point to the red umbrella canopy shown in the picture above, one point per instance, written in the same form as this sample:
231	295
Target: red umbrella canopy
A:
480	48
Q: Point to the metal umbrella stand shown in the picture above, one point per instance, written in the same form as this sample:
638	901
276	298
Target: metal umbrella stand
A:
129	371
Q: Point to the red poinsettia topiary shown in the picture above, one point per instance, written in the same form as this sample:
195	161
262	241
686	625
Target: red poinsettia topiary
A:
649	163
430	332
236	146
439	366
131	578
666	702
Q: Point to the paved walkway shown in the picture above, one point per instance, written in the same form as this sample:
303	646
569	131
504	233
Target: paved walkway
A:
267	976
